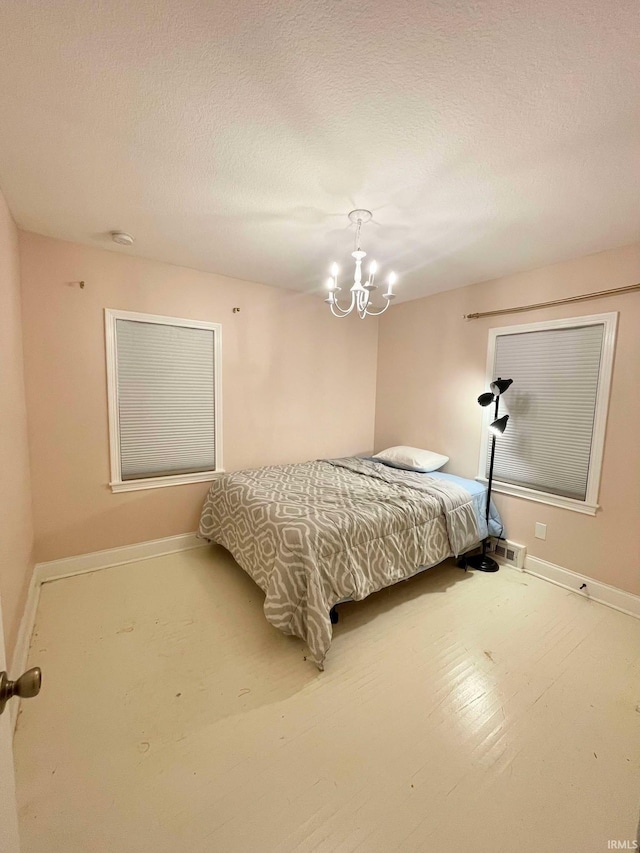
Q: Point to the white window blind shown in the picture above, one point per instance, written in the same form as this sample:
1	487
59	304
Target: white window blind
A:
552	406
165	396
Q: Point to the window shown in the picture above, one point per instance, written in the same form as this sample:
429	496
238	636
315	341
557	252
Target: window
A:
163	378
552	449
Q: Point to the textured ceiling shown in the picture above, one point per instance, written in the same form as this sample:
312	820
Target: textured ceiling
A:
487	136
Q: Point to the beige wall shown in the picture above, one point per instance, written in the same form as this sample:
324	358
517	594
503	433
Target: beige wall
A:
431	369
297	384
16	530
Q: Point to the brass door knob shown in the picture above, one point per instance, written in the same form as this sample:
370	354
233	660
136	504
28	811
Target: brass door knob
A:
26	686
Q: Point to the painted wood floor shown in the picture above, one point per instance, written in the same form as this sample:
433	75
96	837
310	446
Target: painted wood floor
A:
485	713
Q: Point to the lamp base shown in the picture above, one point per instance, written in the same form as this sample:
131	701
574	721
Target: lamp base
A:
482	563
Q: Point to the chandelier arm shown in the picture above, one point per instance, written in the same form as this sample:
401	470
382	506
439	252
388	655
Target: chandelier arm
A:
378	313
363	301
343	311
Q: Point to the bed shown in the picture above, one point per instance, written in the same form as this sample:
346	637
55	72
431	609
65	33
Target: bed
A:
314	534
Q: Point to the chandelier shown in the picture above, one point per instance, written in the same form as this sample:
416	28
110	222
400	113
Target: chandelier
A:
360	293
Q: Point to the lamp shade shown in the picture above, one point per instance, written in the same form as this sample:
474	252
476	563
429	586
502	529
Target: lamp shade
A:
486	399
499	426
500	386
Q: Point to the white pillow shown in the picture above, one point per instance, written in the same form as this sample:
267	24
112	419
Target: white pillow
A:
412	459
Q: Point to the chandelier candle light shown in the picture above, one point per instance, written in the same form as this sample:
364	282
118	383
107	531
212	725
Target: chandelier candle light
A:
360	293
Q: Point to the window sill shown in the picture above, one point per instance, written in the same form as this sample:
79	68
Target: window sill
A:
542	497
161	482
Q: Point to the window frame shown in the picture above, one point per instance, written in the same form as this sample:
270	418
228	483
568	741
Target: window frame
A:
116	483
590	505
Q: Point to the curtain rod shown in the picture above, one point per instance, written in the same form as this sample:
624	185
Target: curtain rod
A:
616	290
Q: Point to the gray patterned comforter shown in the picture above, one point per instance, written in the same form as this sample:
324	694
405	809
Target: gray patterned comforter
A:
316	533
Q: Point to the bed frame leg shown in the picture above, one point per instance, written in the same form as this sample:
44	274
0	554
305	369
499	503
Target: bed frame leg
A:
334	616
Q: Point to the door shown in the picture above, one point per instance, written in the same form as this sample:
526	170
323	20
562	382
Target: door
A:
9	842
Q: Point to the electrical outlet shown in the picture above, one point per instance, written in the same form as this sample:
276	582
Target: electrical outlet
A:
541	530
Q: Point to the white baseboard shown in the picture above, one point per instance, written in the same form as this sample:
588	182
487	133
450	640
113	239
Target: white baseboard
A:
70	566
93	562
595	590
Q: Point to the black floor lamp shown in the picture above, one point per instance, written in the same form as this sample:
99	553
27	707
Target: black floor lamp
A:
482	561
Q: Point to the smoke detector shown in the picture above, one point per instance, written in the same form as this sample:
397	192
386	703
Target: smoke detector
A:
122	237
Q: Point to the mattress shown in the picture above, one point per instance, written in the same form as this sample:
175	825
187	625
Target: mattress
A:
478	492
